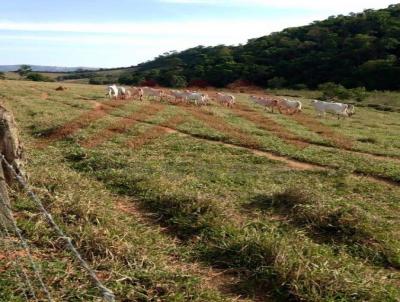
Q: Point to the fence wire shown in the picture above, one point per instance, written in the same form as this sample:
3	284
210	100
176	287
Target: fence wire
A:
108	295
17	267
24	244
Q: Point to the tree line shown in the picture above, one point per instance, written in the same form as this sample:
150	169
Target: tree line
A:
357	50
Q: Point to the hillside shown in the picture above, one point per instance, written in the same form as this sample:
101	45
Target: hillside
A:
356	50
176	202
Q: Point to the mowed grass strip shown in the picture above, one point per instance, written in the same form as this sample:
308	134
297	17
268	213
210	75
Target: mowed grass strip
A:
220	125
129	256
286	263
314	125
121	125
99	111
263	122
337	223
155	132
282	255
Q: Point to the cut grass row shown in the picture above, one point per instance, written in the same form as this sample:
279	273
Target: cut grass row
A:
187	216
285	255
131	257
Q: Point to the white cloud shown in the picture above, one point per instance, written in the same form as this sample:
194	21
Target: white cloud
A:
343	6
207	28
127	43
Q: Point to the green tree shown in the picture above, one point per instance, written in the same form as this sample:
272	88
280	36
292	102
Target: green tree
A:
358	50
37	77
24	70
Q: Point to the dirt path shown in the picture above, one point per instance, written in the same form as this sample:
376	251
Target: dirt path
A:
290	162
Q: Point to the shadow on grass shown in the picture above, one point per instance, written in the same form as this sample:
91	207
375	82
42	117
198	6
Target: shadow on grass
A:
340	227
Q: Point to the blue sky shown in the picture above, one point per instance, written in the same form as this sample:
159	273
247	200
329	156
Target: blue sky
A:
100	33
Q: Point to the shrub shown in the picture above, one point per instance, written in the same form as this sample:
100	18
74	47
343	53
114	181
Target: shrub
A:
2	76
359	94
336	91
276	82
96	81
126	79
300	87
178	81
331	91
38	77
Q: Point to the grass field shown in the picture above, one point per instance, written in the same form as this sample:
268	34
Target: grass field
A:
178	203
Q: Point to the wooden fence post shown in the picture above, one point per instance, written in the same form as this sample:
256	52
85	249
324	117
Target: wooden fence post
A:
11	148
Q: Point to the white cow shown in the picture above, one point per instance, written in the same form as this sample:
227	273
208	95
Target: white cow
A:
122	92
197	97
266	102
112	91
351	110
137	92
179	95
336	108
152	93
226	99
291	107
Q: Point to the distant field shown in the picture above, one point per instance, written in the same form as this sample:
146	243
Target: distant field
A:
16	76
179	203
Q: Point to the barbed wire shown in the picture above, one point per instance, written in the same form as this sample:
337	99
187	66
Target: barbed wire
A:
24	244
108	295
16	266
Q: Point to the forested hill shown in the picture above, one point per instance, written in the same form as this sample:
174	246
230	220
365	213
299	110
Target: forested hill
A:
356	50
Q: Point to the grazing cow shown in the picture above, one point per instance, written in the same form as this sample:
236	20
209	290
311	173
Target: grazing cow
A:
137	92
179	95
152	93
112	91
226	99
289	106
336	108
351	110
265	101
197	98
122	92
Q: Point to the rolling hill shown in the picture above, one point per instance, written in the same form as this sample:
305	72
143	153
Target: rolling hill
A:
358	50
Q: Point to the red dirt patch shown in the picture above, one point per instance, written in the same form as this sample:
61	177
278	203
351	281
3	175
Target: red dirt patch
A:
220	125
316	126
123	124
12	255
84	120
268	124
155	132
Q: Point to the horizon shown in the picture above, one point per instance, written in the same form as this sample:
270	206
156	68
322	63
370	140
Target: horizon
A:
96	35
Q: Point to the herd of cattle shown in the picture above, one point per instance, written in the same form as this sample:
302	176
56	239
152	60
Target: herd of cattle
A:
283	105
